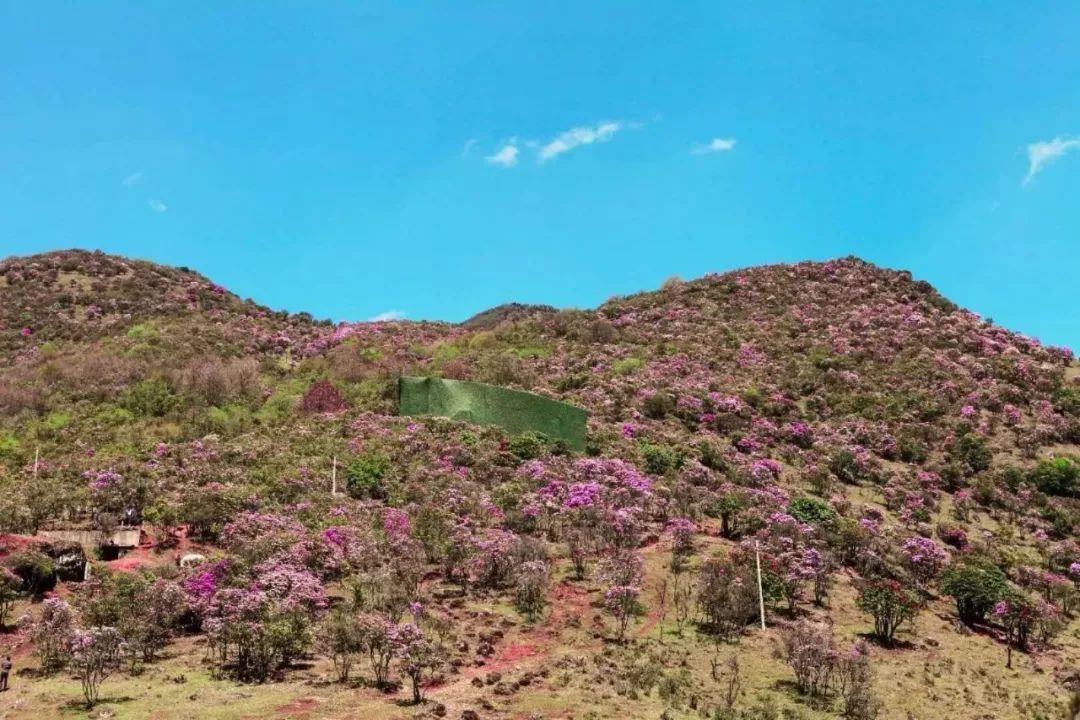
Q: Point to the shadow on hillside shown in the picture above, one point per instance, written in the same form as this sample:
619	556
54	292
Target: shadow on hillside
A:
894	645
791	691
79	706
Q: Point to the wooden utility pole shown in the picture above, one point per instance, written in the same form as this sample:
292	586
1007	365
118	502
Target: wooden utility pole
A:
760	592
37	454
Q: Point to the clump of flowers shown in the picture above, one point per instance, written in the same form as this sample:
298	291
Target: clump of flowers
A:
923	558
682	535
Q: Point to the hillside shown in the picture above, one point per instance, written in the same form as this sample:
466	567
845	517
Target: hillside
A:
872	440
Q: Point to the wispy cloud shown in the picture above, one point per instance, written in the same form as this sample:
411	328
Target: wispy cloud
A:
156	205
713	146
133	179
469	145
388	316
578	136
507	156
1042	153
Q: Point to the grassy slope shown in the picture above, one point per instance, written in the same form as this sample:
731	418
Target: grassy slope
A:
936	673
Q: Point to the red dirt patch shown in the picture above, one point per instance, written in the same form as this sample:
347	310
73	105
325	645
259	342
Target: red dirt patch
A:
507	657
566	601
299	707
516	651
13	543
133	560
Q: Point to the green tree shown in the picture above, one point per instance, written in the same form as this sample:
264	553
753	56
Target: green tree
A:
890	604
975	583
1057	476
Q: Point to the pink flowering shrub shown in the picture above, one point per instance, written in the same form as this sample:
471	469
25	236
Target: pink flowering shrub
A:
416	655
95	653
495	559
682	537
924	559
259	536
621	575
51	633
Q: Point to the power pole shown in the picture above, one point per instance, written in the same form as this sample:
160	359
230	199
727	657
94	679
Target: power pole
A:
37	454
760	592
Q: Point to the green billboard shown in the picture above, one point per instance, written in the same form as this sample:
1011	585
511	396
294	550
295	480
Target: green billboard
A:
515	411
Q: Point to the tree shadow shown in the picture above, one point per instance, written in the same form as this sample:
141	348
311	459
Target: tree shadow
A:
791	690
79	705
894	645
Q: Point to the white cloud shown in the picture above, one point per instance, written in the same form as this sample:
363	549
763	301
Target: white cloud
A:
388	316
1042	153
133	179
506	157
156	205
713	146
575	137
469	146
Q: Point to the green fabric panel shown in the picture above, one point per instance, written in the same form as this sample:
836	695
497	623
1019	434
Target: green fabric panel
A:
513	410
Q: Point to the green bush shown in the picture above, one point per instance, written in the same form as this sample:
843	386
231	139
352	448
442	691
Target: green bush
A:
230	420
278	408
528	446
35	569
531	351
659	459
149	398
1067	400
658	405
975	583
971	452
711	456
845	466
890	604
728	507
9	445
626	366
365	475
431	526
10	589
811	510
142	331
912	449
1057	476
56	421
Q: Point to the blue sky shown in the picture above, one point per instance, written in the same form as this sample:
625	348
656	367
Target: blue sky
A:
434	159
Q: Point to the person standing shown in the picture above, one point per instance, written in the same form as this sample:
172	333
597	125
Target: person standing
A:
5	670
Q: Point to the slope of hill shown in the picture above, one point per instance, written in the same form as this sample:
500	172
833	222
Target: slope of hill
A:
875	443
